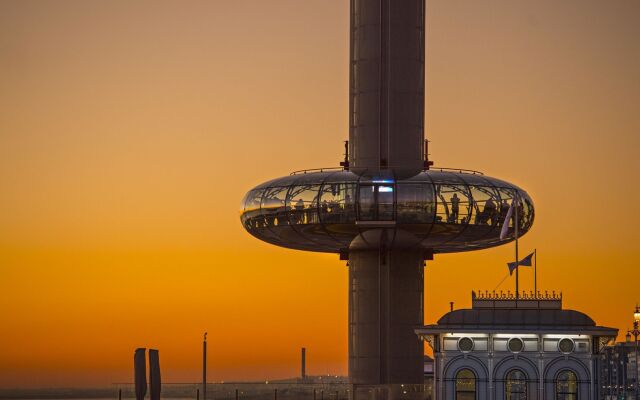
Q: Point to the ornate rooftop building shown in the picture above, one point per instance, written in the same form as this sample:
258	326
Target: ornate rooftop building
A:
508	348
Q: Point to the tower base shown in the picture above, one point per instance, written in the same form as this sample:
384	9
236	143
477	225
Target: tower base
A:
386	292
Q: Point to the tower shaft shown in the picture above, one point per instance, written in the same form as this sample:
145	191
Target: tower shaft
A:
386	135
385	306
386	125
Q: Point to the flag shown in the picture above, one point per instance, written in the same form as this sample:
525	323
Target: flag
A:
525	262
505	223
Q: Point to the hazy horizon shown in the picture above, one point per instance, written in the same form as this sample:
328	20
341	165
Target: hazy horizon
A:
130	131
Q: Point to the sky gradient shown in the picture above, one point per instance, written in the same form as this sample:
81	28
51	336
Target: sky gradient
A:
129	132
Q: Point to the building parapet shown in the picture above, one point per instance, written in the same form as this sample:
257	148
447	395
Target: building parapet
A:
493	299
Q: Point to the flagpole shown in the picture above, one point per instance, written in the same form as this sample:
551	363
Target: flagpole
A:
535	272
517	259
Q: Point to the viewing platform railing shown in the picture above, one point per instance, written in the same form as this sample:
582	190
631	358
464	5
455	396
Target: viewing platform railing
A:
336	169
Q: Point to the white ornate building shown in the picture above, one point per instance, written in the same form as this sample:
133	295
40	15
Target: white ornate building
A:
507	349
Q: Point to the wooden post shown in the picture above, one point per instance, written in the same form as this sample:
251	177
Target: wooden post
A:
275	394
237	397
119	394
204	367
197	394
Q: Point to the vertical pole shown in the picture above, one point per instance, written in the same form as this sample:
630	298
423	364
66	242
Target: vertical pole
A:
635	335
303	366
204	367
237	397
275	394
517	205
346	153
119	394
624	374
535	272
197	394
610	374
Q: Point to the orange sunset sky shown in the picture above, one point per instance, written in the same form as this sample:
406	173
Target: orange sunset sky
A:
129	132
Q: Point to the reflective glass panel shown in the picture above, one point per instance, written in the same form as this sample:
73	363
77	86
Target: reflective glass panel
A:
516	385
465	385
567	386
524	213
415	203
302	202
252	200
337	202
528	211
453	204
367	203
251	216
506	199
485	205
273	206
385	202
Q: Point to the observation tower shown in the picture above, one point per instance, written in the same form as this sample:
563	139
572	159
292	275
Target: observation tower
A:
386	210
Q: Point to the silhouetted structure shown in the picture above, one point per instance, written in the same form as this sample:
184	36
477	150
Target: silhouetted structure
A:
386	211
155	382
204	367
617	371
303	364
508	348
140	373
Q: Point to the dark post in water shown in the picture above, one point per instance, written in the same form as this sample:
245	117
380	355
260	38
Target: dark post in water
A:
155	382
303	372
140	373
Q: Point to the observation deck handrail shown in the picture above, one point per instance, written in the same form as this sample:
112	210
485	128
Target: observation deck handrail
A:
460	170
306	171
441	169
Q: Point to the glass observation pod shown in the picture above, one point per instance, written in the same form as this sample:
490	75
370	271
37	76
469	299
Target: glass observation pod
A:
437	210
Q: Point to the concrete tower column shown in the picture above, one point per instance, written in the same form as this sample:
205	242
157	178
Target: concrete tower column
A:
386	107
386	135
385	306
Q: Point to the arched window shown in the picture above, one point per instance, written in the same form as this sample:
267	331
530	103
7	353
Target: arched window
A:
567	386
516	385
465	385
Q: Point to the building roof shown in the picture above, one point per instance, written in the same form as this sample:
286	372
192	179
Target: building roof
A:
515	317
500	313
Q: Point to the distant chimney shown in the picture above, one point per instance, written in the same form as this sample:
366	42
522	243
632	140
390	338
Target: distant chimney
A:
451	305
303	372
